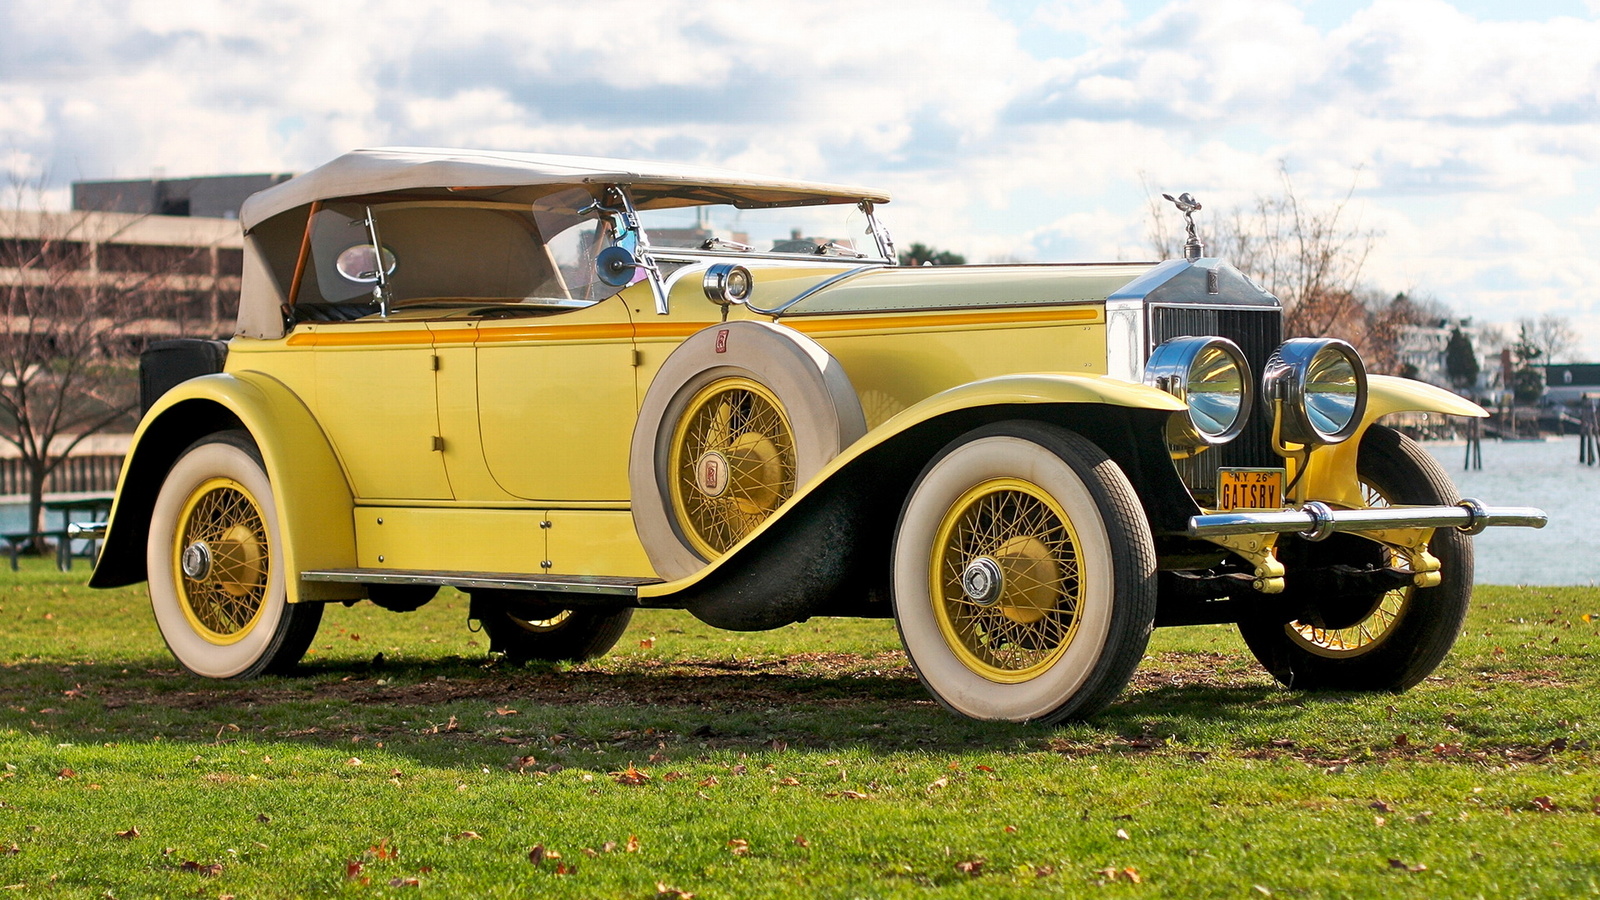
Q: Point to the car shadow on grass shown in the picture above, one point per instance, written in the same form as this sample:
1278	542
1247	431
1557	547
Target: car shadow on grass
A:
457	711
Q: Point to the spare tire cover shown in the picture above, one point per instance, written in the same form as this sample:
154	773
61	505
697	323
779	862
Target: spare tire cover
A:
715	376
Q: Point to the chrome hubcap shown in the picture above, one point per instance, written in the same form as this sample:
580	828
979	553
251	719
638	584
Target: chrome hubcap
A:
982	581
196	560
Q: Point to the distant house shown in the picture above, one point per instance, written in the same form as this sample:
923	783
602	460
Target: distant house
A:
1571	382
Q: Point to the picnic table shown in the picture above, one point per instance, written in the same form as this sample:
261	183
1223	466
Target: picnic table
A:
76	514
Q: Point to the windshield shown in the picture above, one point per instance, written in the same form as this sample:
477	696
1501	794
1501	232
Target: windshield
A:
460	252
838	230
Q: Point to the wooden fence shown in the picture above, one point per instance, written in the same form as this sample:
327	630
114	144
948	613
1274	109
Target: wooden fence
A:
78	474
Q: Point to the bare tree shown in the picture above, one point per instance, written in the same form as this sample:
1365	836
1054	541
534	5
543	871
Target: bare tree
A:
1553	336
70	333
1309	258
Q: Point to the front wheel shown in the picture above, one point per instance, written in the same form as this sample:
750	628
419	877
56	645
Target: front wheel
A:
215	566
527	626
1383	640
1024	575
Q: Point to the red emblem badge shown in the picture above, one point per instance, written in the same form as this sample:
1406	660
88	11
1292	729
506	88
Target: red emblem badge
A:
722	340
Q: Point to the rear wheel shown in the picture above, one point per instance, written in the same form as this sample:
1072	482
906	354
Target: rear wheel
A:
214	563
526	626
1024	575
1382	640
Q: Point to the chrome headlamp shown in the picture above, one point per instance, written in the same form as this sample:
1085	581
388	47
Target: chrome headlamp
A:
726	284
1210	375
1322	385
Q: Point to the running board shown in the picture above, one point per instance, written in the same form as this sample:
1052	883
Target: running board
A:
597	587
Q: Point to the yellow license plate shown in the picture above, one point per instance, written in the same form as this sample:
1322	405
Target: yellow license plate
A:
1250	488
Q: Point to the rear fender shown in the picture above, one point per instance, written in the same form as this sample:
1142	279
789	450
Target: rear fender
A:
314	500
1331	472
828	546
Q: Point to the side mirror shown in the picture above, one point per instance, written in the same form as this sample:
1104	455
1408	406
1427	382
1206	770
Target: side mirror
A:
615	266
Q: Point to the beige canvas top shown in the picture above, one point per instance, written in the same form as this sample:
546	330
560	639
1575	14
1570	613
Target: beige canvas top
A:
386	169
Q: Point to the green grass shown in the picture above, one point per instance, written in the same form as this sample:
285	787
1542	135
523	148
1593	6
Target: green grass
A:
813	745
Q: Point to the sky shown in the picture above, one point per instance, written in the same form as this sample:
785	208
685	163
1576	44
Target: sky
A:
1466	134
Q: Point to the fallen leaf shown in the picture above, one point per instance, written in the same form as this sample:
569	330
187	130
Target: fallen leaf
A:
1132	874
739	769
709	781
939	783
1379	821
1123	835
656	758
383	851
647	643
983	768
739	847
970	867
1010	829
631	776
536	854
1544	804
66	773
405	882
632	846
503	711
608	846
1400	864
800	841
566	868
263	818
468	836
663	892
590	852
1380	806
787	781
853	795
130	833
352	761
210	871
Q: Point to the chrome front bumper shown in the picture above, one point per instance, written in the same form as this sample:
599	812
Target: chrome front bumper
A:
1317	520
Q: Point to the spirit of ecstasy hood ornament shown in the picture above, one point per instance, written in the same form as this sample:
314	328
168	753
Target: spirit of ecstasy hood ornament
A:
1188	205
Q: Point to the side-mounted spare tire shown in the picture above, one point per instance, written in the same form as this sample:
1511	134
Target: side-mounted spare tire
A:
738	417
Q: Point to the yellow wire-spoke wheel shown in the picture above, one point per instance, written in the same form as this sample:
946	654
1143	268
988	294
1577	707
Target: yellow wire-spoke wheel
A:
732	463
549	623
1373	628
221	560
1006	584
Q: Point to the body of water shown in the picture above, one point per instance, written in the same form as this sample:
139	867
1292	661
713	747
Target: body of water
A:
1545	474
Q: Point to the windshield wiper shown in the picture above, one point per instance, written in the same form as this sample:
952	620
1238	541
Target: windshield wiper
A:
833	248
716	243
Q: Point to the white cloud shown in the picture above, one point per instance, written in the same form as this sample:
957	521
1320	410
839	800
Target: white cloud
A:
1477	143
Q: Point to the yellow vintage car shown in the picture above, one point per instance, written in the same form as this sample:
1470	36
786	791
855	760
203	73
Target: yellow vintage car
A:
574	387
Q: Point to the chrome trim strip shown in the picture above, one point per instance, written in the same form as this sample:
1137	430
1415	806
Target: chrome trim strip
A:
824	283
1317	520
627	588
90	530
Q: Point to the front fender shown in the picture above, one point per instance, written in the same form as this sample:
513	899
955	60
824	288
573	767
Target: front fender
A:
1331	472
315	505
1010	392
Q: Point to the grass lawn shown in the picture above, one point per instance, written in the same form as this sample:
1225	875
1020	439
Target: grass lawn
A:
805	762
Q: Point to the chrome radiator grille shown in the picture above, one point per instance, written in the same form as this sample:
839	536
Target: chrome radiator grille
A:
1258	330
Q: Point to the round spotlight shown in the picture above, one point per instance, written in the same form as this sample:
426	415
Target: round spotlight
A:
726	284
1322	384
1210	375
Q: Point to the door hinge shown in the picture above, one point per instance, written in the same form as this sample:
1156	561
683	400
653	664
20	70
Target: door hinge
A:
433	362
438	444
